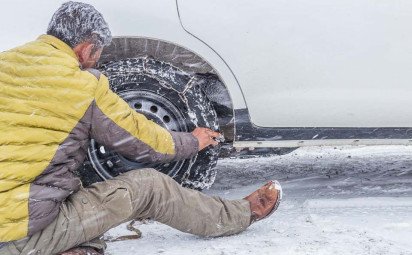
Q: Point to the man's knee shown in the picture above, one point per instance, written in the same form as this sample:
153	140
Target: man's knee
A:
148	172
158	180
141	180
140	173
145	175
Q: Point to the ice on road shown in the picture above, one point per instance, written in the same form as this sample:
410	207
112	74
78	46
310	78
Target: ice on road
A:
345	200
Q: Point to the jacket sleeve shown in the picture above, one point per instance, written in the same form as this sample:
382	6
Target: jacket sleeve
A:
120	128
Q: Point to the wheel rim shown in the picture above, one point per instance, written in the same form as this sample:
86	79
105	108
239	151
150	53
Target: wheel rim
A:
156	108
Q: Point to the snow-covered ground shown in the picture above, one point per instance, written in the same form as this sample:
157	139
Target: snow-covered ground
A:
345	200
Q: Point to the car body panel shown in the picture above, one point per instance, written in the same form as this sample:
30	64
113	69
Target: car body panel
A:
343	83
314	63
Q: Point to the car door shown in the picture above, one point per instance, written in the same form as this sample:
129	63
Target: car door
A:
320	63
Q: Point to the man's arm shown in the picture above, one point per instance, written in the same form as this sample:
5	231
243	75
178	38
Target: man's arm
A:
120	128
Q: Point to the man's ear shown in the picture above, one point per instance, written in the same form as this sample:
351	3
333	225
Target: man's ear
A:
84	51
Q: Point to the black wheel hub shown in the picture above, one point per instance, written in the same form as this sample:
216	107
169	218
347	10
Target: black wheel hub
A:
156	108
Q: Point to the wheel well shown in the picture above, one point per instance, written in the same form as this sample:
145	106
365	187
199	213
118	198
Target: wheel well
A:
184	59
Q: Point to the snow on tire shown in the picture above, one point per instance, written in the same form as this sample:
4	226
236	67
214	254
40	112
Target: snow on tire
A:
172	98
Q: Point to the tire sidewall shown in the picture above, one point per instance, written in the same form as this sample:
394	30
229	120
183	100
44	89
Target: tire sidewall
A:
184	91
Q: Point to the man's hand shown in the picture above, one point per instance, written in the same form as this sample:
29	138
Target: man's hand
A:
205	137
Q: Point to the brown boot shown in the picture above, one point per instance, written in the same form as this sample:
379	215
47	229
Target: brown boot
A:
81	251
265	200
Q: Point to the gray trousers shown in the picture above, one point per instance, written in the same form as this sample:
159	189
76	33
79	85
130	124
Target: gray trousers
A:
138	194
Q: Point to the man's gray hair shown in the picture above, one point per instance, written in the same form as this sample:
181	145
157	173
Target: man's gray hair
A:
76	22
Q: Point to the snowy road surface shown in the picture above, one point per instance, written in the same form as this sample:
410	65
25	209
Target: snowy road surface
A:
345	200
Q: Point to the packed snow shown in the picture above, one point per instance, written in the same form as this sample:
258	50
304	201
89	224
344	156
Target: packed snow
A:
344	200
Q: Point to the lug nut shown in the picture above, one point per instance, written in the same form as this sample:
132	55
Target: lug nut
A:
109	163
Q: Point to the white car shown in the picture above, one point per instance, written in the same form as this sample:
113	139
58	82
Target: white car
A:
267	74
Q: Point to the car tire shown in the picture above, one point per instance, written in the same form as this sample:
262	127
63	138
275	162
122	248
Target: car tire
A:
173	99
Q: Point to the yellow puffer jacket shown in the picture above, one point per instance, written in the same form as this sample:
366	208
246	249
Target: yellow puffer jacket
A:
49	109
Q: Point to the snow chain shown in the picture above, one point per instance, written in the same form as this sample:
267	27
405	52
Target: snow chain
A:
129	227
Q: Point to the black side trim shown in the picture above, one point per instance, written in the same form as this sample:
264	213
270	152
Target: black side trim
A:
247	131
